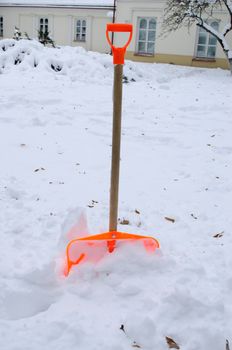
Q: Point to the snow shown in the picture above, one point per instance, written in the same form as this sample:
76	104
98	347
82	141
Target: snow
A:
61	2
176	157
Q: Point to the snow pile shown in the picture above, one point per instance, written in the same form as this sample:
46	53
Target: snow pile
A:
76	63
176	185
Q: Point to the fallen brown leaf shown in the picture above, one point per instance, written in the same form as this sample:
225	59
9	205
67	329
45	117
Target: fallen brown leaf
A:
194	216
38	169
172	344
124	222
218	235
169	219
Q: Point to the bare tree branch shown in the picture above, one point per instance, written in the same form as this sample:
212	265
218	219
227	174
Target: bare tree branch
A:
180	13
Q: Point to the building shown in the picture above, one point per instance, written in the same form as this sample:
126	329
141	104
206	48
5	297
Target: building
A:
69	22
83	23
190	47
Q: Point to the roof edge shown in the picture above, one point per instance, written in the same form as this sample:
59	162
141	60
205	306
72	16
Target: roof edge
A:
98	7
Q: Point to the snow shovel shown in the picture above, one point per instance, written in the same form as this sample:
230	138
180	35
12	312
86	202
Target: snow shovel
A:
93	248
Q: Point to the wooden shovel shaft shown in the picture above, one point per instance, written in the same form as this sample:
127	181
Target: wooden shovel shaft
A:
116	146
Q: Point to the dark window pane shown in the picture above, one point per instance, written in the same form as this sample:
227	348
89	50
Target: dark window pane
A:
211	51
215	25
152	24
201	51
202	38
41	20
151	35
46	20
212	40
142	35
150	48
143	23
141	47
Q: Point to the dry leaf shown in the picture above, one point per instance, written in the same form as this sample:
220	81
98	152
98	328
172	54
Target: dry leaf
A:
170	219
219	235
137	211
38	169
172	344
194	216
135	345
124	222
122	328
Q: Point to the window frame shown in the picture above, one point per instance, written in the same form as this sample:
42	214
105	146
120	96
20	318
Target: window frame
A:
81	34
44	24
207	45
146	41
1	26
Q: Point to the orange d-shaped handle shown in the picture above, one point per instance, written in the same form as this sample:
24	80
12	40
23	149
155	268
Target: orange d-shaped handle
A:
119	52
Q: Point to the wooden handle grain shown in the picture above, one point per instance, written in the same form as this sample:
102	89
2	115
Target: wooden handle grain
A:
116	146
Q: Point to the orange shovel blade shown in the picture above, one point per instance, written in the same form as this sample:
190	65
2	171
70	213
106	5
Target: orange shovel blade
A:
93	248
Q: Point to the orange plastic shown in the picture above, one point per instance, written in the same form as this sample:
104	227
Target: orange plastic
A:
119	52
104	242
93	248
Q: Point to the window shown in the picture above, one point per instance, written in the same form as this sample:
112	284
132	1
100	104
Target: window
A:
43	25
1	26
146	36
207	43
81	30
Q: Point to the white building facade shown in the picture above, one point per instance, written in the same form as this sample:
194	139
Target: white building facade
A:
190	47
83	23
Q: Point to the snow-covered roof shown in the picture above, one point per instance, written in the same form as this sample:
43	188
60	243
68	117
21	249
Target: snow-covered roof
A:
58	3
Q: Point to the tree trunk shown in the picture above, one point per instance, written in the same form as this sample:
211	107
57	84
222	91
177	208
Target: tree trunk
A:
230	64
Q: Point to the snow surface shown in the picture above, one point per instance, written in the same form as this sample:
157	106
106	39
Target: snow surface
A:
60	2
55	145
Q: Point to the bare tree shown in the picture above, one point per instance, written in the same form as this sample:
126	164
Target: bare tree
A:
186	12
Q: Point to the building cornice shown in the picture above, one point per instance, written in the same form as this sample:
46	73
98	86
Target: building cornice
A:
87	7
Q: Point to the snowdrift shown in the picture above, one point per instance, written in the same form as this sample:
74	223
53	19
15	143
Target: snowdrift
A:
76	63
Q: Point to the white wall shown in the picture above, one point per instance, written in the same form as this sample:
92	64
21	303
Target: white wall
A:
61	24
181	42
